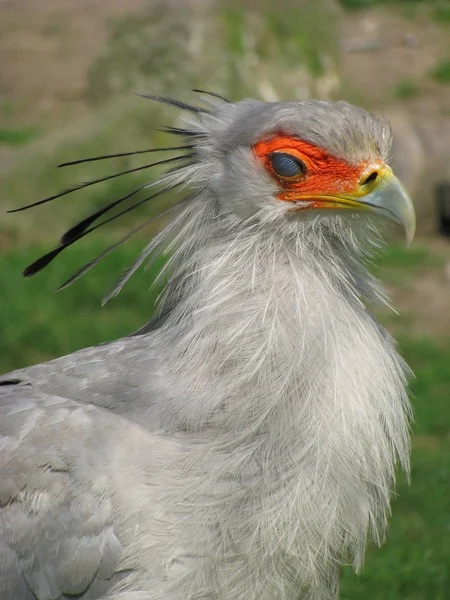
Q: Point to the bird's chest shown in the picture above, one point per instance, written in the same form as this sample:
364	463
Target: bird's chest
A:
295	407
247	529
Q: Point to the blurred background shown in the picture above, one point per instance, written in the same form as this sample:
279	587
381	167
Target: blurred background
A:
69	71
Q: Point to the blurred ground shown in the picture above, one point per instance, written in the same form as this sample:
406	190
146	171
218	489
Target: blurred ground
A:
68	72
46	48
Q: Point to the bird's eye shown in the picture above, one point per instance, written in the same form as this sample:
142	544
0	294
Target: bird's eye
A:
285	165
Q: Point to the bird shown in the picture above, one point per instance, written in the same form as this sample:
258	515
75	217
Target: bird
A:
243	444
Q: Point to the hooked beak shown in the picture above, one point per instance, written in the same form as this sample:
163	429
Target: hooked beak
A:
381	193
389	199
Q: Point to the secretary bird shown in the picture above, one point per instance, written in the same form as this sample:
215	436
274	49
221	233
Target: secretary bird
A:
243	445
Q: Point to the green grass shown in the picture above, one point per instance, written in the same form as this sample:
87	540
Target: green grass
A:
7	109
33	173
441	72
359	4
37	325
414	564
19	136
398	265
406	89
438	10
442	13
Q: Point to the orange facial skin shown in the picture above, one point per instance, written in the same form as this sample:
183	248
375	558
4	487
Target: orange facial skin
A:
326	177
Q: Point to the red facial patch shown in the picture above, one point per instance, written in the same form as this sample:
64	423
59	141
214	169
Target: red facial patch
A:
325	174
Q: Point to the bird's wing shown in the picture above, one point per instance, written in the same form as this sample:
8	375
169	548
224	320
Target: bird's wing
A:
121	376
57	538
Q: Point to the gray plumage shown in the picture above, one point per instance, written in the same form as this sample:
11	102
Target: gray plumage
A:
243	449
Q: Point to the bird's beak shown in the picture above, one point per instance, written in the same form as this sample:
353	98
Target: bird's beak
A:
389	199
378	191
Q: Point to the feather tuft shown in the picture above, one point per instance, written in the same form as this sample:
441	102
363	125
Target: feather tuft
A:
121	154
213	94
100	180
177	103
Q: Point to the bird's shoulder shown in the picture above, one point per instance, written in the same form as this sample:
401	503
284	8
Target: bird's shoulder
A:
121	376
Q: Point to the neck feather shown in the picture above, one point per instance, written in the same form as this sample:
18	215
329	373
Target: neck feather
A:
271	348
261	308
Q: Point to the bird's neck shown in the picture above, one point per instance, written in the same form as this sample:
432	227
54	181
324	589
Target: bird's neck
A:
266	323
299	394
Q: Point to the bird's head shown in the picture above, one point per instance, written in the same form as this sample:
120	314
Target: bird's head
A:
303	160
324	163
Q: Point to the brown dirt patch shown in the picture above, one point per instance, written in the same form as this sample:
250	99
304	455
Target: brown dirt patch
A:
46	47
382	48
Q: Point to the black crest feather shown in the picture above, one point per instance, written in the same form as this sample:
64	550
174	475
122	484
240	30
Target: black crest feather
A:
88	224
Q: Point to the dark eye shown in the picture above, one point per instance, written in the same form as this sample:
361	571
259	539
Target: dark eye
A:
286	165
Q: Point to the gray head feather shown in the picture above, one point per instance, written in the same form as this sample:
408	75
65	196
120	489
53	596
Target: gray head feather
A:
343	129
